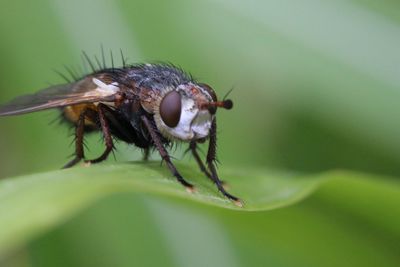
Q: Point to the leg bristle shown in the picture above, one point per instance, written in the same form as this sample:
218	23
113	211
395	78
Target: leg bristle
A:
89	61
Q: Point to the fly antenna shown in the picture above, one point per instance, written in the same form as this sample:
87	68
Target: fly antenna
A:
226	104
227	94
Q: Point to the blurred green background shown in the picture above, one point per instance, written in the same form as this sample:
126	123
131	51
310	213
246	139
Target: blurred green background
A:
316	87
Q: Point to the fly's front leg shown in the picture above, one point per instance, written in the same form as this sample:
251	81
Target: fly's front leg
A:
193	148
105	128
203	168
211	158
164	154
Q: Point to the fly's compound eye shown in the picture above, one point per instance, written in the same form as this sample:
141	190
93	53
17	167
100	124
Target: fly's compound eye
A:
209	90
170	109
211	109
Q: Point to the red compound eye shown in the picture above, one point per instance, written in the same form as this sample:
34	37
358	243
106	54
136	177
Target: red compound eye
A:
170	109
209	90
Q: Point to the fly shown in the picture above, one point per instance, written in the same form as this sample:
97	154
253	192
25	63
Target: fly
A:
147	105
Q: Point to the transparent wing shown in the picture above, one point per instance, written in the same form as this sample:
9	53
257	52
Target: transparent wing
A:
88	90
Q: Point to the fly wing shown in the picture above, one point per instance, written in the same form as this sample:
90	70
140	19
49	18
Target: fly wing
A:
87	90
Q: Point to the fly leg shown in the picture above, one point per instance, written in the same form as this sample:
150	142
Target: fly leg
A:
79	132
211	158
193	148
164	154
105	128
146	154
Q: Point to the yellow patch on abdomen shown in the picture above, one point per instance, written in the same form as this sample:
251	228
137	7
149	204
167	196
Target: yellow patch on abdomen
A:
73	112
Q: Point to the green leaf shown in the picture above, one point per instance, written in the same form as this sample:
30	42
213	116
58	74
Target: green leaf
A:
35	203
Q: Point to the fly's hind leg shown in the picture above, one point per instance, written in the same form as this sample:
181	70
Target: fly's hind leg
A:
105	128
79	132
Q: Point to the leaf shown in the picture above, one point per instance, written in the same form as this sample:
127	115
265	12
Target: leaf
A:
33	204
352	219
